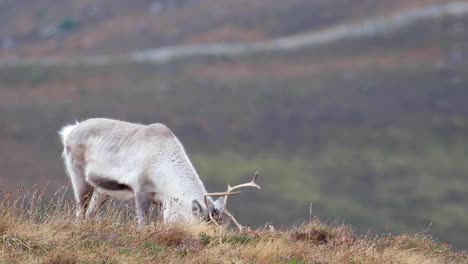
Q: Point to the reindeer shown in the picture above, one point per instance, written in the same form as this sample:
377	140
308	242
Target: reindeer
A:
110	158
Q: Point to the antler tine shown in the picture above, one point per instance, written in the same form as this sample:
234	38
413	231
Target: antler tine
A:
228	193
252	183
212	218
222	193
239	226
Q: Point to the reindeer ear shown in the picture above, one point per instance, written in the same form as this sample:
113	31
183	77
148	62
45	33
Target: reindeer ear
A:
196	208
219	204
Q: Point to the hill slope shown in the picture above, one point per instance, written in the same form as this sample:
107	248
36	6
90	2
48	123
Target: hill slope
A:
54	28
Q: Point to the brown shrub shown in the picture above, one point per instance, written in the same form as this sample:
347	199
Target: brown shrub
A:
62	258
168	236
316	237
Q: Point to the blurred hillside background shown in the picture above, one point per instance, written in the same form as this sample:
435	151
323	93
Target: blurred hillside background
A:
360	108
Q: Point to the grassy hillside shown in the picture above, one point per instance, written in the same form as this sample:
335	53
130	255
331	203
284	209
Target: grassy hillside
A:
51	234
54	27
372	131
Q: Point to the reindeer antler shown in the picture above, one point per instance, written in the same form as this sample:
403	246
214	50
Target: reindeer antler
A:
230	192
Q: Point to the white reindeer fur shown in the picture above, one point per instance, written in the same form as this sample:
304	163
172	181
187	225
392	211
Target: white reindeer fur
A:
147	158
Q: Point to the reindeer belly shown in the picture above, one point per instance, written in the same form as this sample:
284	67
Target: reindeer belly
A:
118	195
112	176
111	187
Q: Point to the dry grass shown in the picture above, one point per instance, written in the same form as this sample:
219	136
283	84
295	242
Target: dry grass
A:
35	232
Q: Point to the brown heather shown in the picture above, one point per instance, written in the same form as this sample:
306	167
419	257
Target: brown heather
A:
32	231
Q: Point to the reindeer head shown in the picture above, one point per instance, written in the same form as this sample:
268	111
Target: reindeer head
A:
215	209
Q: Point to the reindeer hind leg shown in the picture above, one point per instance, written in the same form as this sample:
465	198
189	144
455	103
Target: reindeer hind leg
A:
82	190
